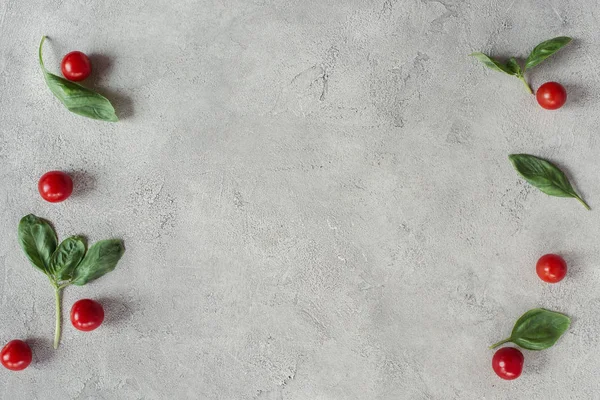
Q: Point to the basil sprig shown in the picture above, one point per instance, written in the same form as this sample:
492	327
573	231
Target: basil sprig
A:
66	263
545	176
77	98
537	55
537	329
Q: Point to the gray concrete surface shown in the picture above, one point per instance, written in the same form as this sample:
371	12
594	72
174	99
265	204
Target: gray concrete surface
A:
315	197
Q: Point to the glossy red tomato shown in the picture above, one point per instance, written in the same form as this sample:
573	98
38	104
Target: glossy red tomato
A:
16	355
508	363
76	66
551	95
55	186
87	315
551	268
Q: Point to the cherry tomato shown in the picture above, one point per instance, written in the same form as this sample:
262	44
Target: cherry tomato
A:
508	363
55	186
551	268
87	315
16	355
76	66
551	95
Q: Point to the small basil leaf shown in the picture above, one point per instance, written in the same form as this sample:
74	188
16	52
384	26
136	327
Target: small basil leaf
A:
100	259
491	63
76	98
67	257
513	66
545	50
545	176
38	240
539	329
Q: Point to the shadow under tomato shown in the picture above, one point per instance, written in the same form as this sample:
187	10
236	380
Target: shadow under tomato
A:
101	67
42	350
83	182
116	311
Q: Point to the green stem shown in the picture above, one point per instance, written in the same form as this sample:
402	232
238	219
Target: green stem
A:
57	291
500	343
522	78
582	202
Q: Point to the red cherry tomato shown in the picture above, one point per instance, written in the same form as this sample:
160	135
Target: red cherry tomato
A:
55	186
551	268
508	363
87	315
551	95
76	66
16	355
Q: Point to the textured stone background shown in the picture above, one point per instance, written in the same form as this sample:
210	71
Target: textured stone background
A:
315	197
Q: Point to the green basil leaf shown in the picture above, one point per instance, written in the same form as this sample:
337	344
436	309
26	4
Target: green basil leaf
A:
545	176
77	98
38	240
513	66
491	63
545	50
538	329
67	257
100	259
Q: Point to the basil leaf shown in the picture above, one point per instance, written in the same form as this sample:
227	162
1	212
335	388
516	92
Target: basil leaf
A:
100	259
67	257
513	66
545	50
538	329
38	240
77	98
491	63
545	176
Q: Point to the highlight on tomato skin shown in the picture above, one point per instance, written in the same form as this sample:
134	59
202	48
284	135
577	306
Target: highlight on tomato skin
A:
551	96
16	355
87	315
507	363
55	186
76	66
551	268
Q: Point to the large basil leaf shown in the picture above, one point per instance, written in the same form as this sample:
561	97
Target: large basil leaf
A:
493	64
545	50
77	98
67	257
38	240
538	329
545	176
100	259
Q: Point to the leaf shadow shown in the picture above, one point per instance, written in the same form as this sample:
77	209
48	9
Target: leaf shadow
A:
123	104
116	311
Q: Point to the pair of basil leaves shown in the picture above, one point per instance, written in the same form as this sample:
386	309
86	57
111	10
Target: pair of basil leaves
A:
541	52
76	98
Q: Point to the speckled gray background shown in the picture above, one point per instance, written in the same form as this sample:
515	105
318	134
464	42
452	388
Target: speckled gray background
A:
315	197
